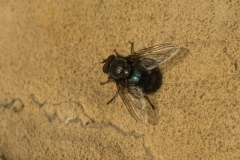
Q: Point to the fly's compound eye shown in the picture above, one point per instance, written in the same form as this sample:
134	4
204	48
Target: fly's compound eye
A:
107	63
119	68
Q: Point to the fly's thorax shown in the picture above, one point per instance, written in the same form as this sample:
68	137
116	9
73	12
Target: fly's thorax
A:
135	75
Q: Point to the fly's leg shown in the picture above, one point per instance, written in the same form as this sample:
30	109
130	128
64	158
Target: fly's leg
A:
132	47
153	107
118	90
116	52
108	81
113	97
103	61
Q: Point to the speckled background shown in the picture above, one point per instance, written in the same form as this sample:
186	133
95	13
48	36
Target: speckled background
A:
53	107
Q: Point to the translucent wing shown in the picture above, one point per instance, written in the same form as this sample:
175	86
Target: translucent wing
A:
135	105
160	53
148	64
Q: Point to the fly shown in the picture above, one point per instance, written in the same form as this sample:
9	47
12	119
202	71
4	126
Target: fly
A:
137	75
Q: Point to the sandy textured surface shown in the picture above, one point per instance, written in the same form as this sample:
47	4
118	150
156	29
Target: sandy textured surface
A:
53	107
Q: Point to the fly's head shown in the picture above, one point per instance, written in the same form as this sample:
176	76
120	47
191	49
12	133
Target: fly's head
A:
116	67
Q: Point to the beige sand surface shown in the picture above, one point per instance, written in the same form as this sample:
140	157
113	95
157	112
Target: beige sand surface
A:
53	107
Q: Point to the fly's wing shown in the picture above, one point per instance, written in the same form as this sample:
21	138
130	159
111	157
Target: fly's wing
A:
136	105
156	55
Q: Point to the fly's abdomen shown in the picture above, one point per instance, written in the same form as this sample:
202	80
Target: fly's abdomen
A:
154	81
